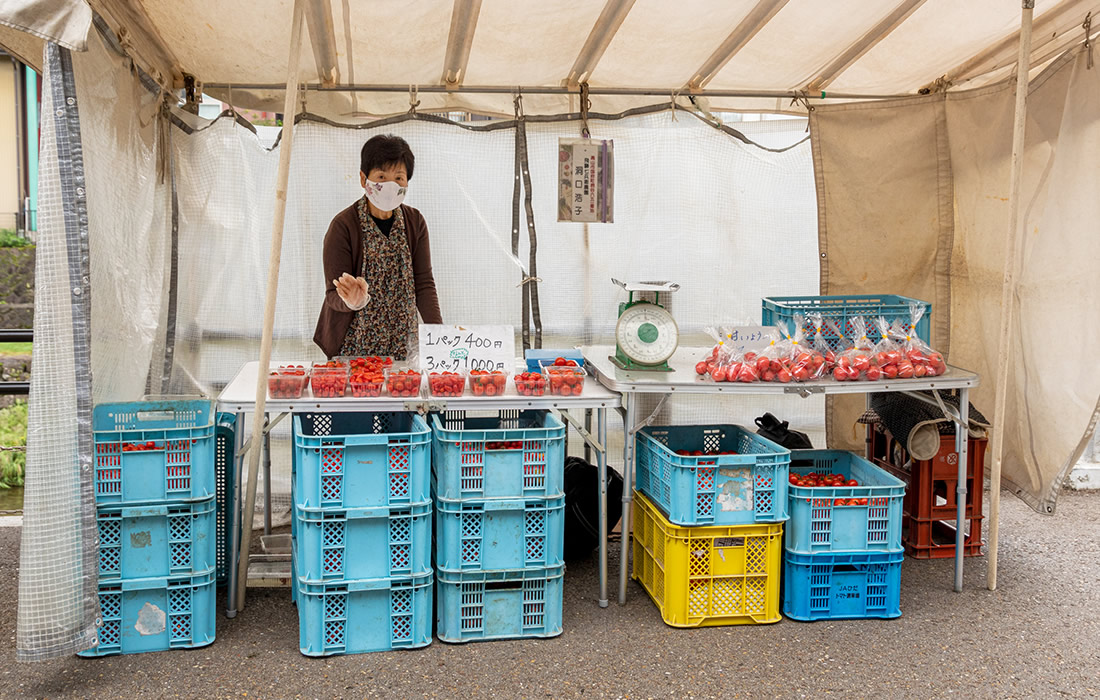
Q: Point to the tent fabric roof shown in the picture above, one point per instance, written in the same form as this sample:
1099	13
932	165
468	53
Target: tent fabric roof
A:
730	49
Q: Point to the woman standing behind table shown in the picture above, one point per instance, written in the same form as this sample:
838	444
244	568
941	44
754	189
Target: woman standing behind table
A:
378	263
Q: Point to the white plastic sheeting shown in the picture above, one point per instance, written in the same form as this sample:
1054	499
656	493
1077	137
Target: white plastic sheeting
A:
914	198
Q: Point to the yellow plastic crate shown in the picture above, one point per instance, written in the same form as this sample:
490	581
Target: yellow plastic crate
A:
706	576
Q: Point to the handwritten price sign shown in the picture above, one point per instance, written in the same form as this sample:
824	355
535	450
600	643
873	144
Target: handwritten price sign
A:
748	338
464	348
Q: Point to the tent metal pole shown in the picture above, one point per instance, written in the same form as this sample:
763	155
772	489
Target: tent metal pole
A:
553	90
290	107
1008	294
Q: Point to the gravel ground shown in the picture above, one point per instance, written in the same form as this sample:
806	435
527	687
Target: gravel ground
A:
1037	636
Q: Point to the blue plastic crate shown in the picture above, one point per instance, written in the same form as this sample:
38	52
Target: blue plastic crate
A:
360	460
362	615
499	533
155	614
843	308
818	524
358	543
156	540
842	586
463	466
224	485
733	489
535	356
179	467
481	605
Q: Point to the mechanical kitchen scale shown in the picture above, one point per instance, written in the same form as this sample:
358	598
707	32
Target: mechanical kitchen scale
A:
646	335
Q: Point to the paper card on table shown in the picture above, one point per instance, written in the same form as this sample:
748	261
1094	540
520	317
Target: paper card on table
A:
445	348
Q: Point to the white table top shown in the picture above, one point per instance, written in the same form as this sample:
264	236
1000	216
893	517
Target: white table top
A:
239	396
683	379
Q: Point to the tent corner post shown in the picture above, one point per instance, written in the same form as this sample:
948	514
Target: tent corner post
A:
1008	288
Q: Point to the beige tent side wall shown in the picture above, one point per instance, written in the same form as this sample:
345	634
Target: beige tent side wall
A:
1054	390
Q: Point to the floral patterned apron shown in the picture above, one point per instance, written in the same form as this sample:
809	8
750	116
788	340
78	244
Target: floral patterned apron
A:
387	325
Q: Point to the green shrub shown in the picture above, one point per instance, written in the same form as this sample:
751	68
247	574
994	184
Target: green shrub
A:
13	433
11	239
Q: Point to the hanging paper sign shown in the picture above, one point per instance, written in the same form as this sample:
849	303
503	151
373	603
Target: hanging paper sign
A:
464	348
586	180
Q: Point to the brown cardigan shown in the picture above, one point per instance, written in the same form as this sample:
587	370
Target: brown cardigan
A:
343	252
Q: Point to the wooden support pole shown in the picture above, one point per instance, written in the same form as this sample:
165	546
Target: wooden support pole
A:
290	108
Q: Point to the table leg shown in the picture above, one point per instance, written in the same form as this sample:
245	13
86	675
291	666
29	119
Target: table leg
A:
232	554
588	427
628	490
601	465
962	444
267	479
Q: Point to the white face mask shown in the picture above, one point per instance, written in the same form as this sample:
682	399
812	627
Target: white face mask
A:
387	196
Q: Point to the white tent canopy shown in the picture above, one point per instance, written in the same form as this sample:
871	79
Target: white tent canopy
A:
911	113
749	55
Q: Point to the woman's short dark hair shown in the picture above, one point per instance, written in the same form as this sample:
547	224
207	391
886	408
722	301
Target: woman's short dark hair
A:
385	150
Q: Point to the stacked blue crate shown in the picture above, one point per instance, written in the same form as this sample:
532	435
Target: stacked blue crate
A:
499	525
362	532
157	525
843	552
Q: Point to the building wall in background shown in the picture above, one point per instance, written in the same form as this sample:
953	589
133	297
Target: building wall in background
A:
9	145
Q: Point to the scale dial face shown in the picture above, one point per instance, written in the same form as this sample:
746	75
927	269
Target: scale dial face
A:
647	334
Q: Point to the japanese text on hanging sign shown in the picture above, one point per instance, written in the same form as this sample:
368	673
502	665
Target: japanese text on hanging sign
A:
446	348
586	180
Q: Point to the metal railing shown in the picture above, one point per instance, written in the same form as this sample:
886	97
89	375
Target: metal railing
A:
16	335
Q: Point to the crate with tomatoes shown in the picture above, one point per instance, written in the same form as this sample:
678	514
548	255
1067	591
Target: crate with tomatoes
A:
842	546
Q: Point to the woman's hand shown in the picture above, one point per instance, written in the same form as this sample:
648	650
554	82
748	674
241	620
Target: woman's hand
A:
352	290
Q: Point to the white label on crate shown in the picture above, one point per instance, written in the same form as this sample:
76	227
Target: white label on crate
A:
736	493
151	620
464	348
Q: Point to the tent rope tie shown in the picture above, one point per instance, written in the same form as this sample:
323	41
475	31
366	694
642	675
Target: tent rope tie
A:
413	101
586	104
672	95
1087	25
517	103
528	280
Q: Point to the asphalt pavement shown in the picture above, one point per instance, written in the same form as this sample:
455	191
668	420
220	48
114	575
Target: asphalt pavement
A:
1036	636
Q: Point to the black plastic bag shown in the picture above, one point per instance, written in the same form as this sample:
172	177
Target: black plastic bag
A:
771	428
582	506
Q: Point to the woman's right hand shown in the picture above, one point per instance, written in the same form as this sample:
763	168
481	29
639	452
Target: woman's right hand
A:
352	290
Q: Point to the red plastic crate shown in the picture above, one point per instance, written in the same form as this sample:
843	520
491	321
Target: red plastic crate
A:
935	539
930	484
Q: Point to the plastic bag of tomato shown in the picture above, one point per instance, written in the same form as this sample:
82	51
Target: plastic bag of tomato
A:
287	382
447	384
488	383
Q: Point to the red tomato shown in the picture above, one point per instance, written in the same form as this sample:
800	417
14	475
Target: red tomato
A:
851	482
874	374
559	362
783	376
700	367
905	370
720	374
890	371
